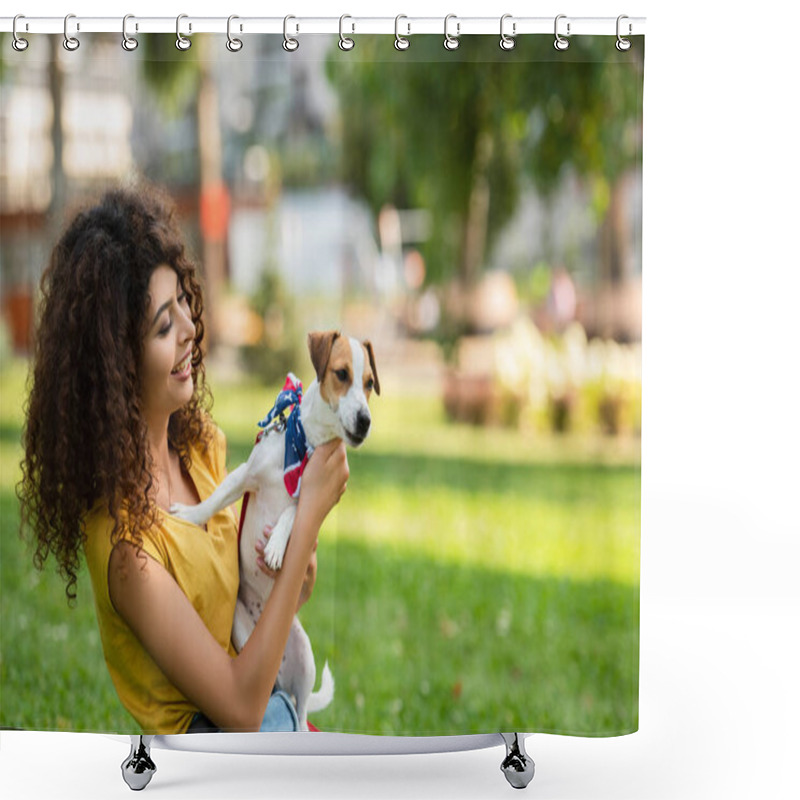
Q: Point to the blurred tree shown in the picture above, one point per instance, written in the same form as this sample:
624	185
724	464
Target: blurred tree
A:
58	181
24	293
179	78
417	134
587	115
55	80
453	133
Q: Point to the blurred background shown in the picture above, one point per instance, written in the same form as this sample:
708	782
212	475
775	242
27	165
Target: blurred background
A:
477	216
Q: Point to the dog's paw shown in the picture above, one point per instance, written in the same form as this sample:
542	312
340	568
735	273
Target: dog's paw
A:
178	510
273	553
188	513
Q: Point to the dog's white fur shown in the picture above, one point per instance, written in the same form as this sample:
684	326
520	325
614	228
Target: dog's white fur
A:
330	409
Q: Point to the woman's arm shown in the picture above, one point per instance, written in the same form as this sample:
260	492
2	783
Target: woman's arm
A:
233	692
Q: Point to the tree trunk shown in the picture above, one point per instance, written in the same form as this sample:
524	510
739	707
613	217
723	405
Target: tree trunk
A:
57	177
477	223
209	137
616	264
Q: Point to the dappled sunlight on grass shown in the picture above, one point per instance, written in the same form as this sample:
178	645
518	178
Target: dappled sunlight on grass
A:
425	648
578	521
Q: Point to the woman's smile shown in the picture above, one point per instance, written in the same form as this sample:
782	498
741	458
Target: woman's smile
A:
183	370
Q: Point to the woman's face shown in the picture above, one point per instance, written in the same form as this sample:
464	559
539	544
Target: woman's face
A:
167	358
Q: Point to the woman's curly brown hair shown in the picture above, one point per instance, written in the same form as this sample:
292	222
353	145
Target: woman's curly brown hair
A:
85	435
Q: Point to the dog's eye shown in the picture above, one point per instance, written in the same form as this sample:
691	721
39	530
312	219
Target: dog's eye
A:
370	385
341	374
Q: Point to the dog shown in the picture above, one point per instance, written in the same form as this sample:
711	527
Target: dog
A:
335	406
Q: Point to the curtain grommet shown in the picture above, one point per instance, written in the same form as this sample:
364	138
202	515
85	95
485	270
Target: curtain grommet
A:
345	42
233	44
507	42
182	43
18	43
70	43
560	42
290	44
451	42
129	43
401	42
623	44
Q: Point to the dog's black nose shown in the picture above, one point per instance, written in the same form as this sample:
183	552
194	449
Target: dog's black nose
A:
363	422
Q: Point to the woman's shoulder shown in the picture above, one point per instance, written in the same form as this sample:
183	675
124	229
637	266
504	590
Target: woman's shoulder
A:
98	522
103	530
99	525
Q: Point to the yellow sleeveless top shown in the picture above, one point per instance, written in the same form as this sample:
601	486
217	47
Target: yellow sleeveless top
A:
204	563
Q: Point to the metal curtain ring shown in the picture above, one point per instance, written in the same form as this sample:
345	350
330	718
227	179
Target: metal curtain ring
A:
233	44
70	42
561	43
128	42
400	42
451	42
18	43
507	42
623	44
182	43
289	44
345	42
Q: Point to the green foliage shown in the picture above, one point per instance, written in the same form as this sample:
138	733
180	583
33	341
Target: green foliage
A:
587	115
4	42
412	134
306	162
173	75
413	123
280	348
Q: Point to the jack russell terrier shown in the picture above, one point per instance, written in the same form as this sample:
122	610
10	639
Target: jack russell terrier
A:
335	406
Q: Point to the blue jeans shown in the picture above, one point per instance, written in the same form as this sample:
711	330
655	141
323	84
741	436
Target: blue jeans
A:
279	716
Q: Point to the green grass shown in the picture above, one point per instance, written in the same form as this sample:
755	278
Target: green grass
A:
426	648
470	580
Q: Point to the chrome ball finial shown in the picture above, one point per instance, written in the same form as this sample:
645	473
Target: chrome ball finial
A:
518	766
138	768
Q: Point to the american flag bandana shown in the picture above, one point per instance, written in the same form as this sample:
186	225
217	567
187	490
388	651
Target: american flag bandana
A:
298	450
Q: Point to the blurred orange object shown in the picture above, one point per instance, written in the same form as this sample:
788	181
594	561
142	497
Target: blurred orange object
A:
18	308
215	211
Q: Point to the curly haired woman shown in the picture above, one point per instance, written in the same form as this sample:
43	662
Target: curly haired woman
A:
117	431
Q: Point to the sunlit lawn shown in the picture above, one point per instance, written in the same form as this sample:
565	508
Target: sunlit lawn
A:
470	580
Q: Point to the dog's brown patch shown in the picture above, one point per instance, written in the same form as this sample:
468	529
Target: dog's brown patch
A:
339	374
370	370
320	346
332	357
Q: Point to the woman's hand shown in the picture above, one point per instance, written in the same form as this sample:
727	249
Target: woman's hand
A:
324	481
311	571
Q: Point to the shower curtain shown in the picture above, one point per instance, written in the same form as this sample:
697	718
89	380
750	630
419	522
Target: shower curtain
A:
475	213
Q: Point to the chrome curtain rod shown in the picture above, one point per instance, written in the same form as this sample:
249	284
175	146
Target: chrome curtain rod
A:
453	25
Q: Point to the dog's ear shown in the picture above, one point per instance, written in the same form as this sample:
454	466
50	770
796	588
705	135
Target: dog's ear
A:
371	354
320	345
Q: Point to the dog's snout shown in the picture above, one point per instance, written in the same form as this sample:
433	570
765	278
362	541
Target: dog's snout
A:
363	421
